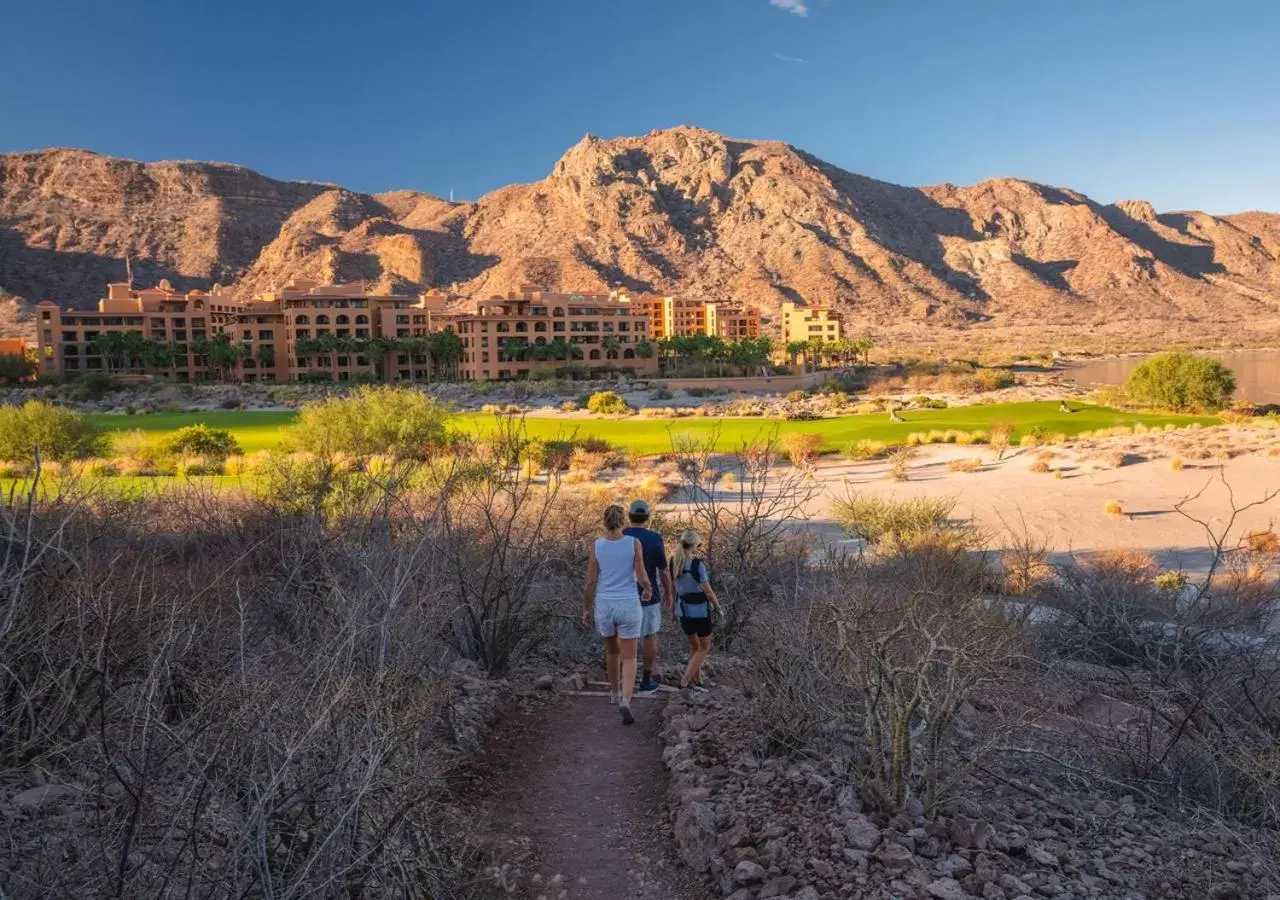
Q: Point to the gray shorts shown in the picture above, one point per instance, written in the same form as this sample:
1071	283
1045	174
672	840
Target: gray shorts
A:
618	617
651	619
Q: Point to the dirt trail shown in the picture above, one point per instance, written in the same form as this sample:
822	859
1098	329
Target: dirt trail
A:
585	795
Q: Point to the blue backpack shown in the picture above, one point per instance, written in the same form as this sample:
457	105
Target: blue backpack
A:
688	584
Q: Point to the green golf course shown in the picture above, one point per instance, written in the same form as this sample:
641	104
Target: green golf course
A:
264	430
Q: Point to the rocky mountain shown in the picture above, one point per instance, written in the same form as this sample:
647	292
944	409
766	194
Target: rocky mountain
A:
682	210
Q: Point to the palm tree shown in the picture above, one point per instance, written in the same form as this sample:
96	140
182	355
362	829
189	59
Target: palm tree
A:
445	349
798	348
611	343
645	349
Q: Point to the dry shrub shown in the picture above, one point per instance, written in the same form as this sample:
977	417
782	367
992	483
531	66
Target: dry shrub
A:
1001	433
1113	508
875	662
900	464
865	449
964	465
266	681
802	447
753	548
1177	464
1040	466
1133	565
881	520
1266	542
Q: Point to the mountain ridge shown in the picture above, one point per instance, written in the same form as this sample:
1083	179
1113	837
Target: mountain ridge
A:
681	210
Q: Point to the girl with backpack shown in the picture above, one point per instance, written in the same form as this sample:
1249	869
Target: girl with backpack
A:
695	601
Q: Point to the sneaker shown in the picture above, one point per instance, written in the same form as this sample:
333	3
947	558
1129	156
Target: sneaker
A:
627	718
648	688
698	688
613	699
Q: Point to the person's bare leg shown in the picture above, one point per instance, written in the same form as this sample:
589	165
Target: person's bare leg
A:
650	653
627	667
627	677
690	671
706	651
695	663
611	660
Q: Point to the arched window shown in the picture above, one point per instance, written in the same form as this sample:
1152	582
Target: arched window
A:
302	320
539	326
558	311
362	320
322	319
628	354
342	320
540	340
595	354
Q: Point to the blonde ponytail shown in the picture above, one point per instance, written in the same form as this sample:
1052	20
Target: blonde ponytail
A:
685	550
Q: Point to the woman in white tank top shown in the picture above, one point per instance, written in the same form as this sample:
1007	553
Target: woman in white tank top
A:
615	569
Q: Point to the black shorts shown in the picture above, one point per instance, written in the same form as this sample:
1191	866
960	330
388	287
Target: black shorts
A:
699	627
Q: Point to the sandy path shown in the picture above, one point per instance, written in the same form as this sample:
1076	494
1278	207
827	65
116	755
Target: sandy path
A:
1069	513
586	794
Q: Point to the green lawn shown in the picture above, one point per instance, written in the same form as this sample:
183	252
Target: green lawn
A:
264	430
650	436
254	430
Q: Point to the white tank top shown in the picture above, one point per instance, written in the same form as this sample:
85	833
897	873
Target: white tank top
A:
617	562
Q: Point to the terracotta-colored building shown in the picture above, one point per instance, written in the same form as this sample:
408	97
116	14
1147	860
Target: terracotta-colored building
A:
671	316
268	328
500	340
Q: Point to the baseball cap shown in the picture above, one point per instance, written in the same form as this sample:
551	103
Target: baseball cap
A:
638	508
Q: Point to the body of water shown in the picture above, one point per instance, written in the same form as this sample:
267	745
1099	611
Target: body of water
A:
1257	372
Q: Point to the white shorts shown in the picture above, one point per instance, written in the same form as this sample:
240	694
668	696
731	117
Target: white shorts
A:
651	619
618	617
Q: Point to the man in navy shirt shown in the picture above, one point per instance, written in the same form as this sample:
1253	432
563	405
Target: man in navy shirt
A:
655	563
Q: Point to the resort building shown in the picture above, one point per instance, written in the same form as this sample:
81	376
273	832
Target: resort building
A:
807	323
13	347
305	330
672	316
509	336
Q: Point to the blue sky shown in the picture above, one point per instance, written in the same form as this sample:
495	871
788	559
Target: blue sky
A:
1176	102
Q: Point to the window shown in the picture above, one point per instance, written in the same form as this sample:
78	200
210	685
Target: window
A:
45	315
67	336
402	320
265	334
322	319
362	320
302	320
342	320
419	320
303	334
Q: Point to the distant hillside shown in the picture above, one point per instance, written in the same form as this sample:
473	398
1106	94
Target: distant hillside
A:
683	210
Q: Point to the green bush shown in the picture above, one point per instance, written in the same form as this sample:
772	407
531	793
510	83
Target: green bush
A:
92	386
876	519
199	440
61	434
400	422
607	403
1182	381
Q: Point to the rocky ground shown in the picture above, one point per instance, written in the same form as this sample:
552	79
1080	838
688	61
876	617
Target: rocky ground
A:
800	828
